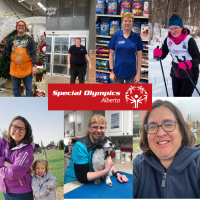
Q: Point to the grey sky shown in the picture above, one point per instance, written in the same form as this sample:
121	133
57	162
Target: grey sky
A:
46	125
186	105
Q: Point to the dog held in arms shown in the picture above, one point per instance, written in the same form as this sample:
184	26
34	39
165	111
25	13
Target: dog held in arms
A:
103	146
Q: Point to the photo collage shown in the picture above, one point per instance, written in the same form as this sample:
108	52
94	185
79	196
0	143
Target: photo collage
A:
118	84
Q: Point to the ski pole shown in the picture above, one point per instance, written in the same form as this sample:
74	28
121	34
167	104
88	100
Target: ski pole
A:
163	75
190	77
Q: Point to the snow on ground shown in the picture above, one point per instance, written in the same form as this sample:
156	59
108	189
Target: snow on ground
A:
155	72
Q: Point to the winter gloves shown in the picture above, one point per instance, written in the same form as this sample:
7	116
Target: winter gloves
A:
157	53
182	65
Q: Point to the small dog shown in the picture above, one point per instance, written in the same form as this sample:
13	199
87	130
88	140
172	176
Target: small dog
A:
103	147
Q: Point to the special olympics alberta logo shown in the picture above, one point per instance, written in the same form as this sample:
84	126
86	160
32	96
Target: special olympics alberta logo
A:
136	95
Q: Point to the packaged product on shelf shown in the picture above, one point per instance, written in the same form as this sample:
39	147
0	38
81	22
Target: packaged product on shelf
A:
102	65
144	29
145	45
112	7
103	50
146	9
102	55
102	41
102	77
145	54
137	26
114	26
125	6
100	6
105	22
137	8
98	62
97	28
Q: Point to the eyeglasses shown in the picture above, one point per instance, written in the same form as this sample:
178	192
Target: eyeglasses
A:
95	128
21	129
167	126
173	29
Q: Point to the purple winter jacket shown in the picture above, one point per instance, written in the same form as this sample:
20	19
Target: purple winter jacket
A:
16	178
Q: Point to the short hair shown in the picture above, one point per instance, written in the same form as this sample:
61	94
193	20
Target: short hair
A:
28	138
96	118
45	162
78	38
128	15
188	138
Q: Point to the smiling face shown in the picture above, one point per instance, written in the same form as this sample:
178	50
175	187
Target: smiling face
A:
21	28
164	144
127	23
18	130
175	31
96	130
40	169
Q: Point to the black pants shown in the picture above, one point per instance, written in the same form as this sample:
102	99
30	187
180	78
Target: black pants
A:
79	71
183	87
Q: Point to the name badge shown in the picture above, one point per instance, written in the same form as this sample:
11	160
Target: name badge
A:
121	42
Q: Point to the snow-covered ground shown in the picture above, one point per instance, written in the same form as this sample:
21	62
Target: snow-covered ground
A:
155	72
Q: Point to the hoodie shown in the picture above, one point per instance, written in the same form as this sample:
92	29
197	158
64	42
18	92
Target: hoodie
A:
193	51
180	180
16	178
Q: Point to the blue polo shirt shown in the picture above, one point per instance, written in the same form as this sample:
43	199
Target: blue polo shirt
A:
82	153
125	53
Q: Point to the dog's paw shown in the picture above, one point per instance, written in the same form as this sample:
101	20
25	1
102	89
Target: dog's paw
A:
97	181
109	183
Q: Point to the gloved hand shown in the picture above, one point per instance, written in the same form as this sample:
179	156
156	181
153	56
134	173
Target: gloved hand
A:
157	52
182	65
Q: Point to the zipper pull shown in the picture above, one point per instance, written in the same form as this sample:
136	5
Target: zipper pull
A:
164	179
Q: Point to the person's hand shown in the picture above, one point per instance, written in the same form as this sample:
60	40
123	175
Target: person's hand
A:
90	66
157	53
122	178
34	70
182	65
69	66
137	78
108	164
7	164
49	179
42	186
112	76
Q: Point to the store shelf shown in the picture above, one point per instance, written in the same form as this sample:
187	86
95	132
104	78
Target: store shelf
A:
104	36
135	17
145	64
145	40
145	50
102	59
105	45
144	77
2	44
104	71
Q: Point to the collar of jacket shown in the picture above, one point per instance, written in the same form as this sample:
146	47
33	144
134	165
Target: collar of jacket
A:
182	159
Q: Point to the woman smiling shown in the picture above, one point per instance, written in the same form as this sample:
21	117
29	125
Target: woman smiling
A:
169	165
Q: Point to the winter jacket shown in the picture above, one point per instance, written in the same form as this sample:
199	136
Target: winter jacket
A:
180	180
16	178
193	50
46	193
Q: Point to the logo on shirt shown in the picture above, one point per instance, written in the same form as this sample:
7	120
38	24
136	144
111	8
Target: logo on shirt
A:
184	45
136	95
170	43
121	42
82	49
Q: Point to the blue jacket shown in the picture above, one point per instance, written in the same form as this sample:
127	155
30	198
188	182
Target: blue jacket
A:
180	180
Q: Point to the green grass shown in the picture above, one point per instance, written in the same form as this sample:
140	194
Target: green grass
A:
56	162
198	140
135	145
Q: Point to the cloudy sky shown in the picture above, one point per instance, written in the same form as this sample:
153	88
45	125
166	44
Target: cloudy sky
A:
187	105
46	125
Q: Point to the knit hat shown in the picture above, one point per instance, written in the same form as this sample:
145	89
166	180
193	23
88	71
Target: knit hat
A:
23	22
175	20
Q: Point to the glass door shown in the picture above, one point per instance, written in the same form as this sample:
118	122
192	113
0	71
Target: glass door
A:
56	55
